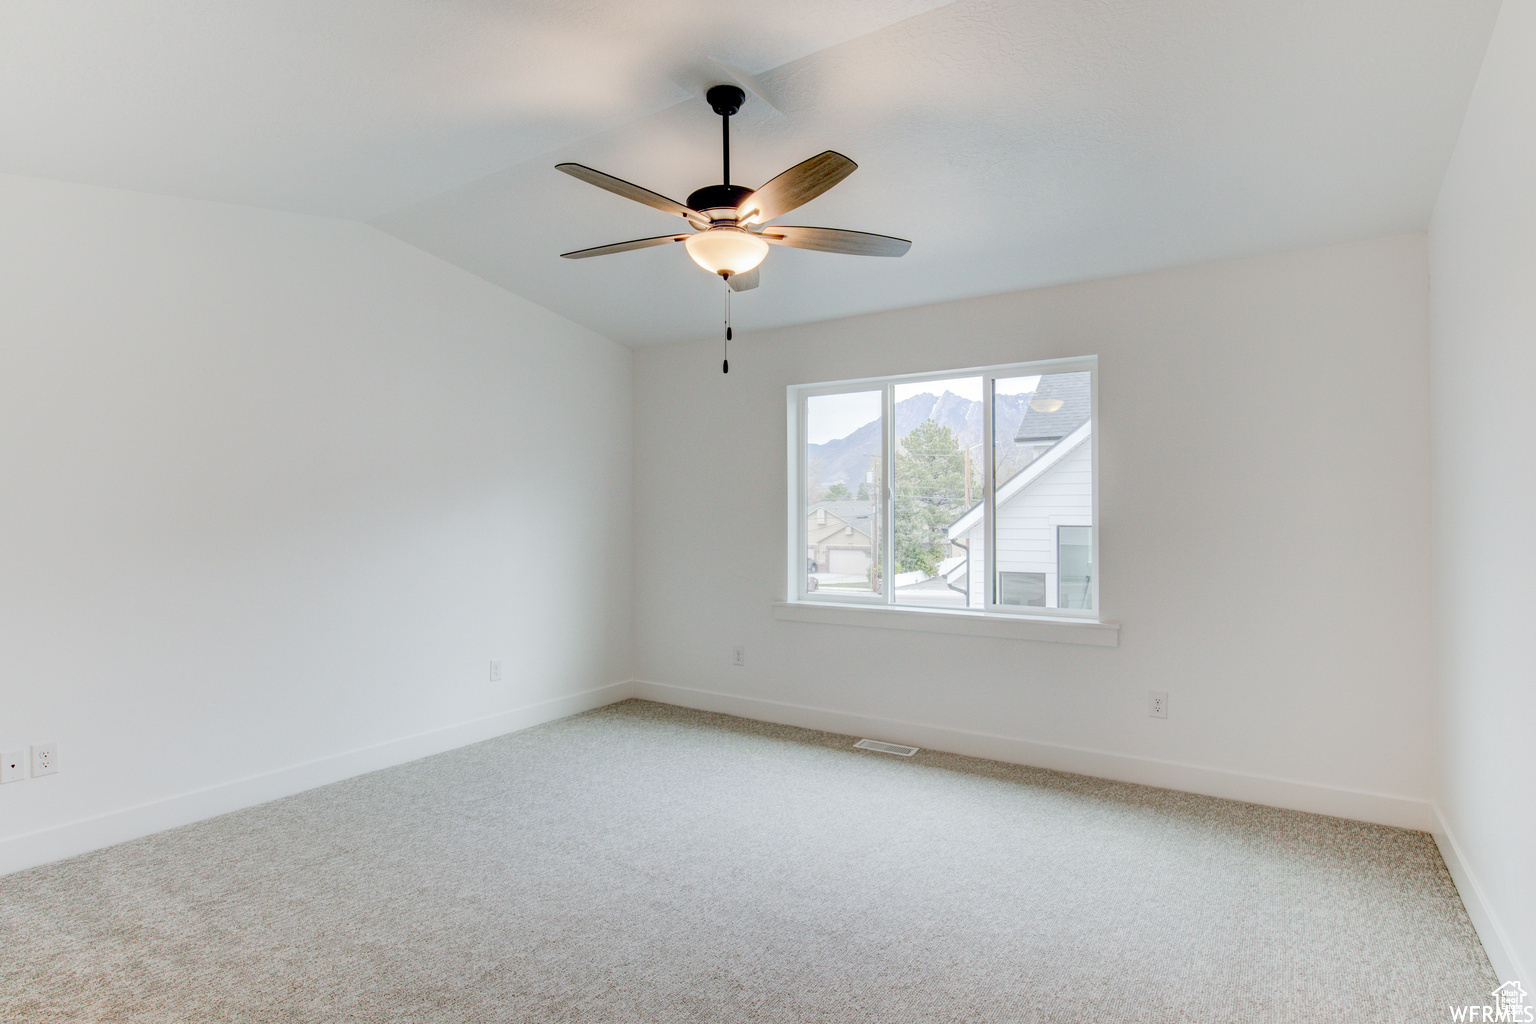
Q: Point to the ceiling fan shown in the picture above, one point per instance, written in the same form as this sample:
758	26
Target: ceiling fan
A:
730	233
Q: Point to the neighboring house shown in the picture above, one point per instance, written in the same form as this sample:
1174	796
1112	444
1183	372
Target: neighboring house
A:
839	536
1044	510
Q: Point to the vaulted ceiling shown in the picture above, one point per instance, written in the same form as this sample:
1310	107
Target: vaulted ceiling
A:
1018	143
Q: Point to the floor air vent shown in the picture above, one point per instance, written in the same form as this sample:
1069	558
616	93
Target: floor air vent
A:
886	748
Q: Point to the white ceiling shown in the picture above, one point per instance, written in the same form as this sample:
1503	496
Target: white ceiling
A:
1017	143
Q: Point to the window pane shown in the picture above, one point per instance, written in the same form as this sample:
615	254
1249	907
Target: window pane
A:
842	493
1043	479
936	479
1010	401
1023	588
1074	560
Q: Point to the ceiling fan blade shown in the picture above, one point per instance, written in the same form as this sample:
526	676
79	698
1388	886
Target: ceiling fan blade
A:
796	186
854	243
743	282
638	243
629	190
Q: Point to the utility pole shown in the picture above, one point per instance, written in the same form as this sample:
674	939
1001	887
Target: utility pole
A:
871	485
968	498
967	476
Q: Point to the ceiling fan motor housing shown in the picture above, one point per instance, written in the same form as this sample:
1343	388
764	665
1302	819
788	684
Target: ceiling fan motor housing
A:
722	199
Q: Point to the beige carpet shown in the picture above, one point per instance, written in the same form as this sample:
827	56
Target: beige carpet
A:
646	863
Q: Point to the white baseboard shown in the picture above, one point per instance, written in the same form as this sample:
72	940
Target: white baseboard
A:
73	838
1381	808
1501	954
76	837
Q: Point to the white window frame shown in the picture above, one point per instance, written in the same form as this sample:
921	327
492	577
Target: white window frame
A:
797	394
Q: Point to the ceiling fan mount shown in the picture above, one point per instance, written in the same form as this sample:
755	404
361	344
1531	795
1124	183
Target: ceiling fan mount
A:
726	100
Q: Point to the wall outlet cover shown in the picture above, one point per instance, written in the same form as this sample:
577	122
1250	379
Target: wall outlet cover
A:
45	759
739	656
1157	703
13	766
495	671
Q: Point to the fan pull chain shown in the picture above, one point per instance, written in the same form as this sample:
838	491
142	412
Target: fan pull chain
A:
725	364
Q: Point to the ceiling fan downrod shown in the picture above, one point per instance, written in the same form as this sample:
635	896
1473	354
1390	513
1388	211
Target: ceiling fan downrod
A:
726	100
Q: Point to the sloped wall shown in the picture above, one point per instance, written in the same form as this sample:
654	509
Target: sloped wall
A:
277	489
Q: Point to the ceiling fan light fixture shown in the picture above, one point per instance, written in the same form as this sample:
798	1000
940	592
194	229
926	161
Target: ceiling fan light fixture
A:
726	250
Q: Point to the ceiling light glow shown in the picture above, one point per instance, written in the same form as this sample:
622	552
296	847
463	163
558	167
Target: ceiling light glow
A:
726	250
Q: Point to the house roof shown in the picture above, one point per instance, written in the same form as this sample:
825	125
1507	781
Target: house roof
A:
1026	476
1044	420
857	514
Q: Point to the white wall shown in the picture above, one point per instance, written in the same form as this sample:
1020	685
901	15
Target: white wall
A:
1483	260
276	490
1265	534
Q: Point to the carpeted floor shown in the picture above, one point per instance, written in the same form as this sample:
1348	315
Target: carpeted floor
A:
647	863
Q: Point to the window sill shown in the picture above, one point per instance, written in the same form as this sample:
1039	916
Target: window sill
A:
1050	630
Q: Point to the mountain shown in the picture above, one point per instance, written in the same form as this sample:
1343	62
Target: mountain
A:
846	459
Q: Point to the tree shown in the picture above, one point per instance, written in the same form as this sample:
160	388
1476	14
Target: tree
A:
929	489
837	492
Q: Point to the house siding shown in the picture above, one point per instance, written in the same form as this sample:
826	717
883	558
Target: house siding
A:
836	534
1026	524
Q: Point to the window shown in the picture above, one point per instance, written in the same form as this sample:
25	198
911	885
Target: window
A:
1074	566
1024	588
845	438
967	490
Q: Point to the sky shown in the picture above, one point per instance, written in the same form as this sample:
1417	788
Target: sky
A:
830	417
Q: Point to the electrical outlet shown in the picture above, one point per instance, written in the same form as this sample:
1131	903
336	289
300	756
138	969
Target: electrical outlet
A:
1157	704
13	766
45	759
495	671
738	656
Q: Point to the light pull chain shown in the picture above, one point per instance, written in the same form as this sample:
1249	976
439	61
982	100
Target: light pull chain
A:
725	364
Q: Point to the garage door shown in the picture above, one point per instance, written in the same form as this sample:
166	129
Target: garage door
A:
848	560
